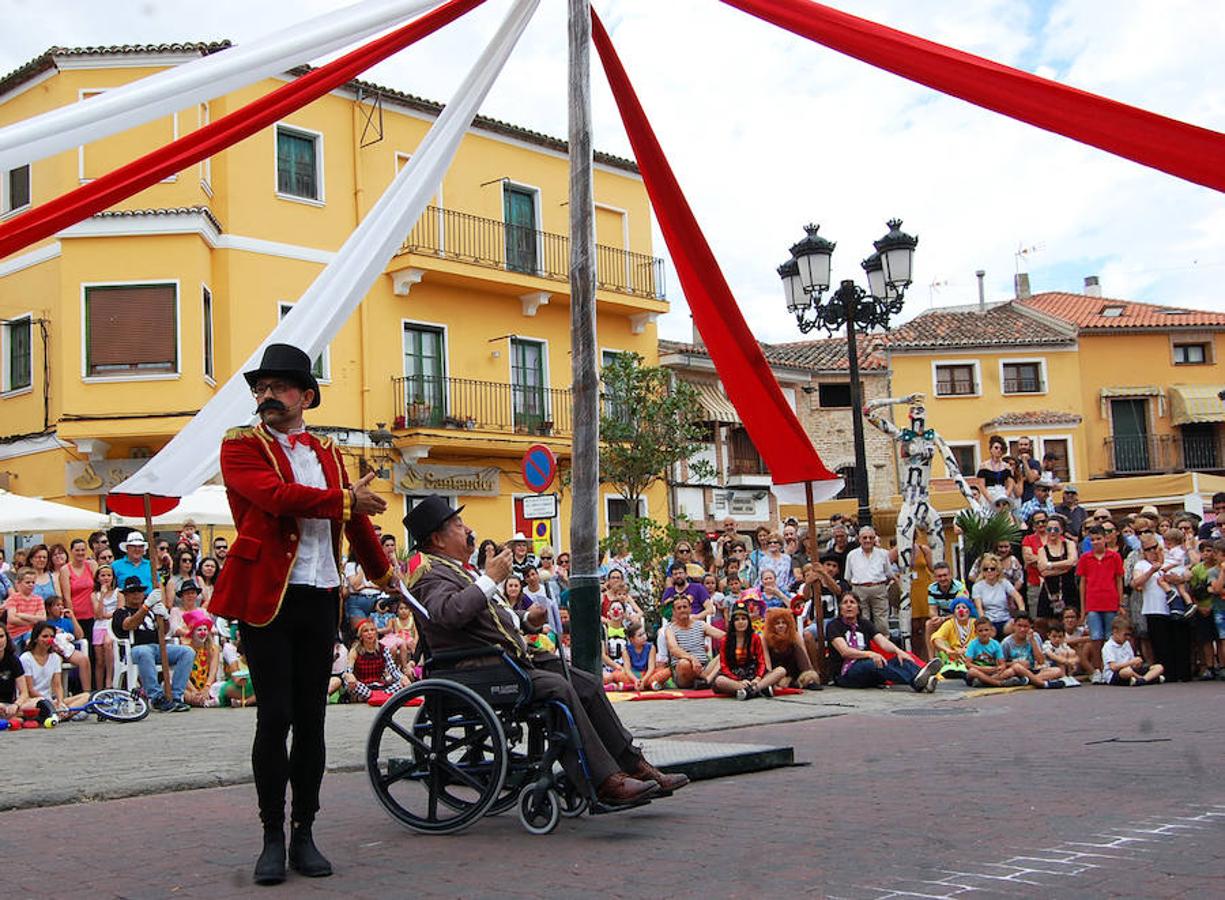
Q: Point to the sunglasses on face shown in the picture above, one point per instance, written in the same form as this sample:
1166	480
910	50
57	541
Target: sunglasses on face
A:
1100	518
775	543
990	569
683	550
1053	530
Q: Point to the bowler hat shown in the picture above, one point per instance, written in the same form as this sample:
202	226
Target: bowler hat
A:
428	516
286	361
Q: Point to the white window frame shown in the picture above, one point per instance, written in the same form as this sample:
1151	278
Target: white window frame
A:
203	118
401	160
5	209
1042	376
6	388
978	377
178	333
84	93
606	503
510	370
625	236
978	456
405	324
320	181
538	213
1040	448
282	307
208	335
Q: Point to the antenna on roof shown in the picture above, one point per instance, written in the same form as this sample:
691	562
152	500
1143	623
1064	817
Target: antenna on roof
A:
933	289
1024	252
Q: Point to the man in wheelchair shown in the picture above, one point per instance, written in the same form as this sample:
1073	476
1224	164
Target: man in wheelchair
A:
467	611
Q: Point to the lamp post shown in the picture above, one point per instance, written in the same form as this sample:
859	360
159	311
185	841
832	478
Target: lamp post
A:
806	277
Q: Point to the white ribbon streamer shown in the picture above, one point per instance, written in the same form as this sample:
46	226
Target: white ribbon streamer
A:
192	456
181	87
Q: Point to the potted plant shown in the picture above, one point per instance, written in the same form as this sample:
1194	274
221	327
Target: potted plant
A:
981	533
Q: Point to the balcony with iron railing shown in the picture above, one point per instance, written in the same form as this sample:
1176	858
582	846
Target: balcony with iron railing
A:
465	404
1142	454
1202	451
493	244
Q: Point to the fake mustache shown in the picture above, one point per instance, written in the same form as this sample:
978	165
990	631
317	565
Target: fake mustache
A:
270	403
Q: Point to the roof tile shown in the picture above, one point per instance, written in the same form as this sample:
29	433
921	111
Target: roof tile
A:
816	356
1034	417
998	324
1086	312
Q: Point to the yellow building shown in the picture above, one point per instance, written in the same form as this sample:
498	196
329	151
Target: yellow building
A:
120	328
1111	387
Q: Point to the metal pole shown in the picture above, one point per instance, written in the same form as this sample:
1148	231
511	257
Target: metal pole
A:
584	510
814	559
864	516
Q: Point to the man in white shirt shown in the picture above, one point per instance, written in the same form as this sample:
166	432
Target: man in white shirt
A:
869	571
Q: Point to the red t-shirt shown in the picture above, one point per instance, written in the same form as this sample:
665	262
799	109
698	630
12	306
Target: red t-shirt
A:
1033	542
1101	580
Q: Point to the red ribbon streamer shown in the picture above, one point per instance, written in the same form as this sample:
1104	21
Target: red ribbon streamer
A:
68	209
769	419
1187	151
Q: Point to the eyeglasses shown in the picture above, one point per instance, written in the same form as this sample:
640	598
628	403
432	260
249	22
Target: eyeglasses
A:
991	568
684	550
1108	531
1054	529
276	387
1101	518
1146	531
775	543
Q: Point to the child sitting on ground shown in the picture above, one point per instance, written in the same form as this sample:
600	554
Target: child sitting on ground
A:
1022	649
1077	637
638	659
985	665
951	638
1122	666
1057	652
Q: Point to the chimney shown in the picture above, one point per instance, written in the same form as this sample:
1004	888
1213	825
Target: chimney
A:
1022	285
982	291
697	335
1093	286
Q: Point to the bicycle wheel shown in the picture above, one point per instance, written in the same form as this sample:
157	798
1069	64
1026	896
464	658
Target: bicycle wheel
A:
118	705
439	766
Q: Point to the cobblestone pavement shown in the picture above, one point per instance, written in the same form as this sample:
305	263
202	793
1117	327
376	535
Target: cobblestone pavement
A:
1080	793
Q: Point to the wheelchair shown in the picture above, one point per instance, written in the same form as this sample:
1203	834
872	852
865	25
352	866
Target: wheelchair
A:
464	743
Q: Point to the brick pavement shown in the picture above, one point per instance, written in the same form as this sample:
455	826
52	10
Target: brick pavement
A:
1020	798
170	744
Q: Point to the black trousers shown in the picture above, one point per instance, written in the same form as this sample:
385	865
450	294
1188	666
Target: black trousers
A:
608	746
290	660
1171	640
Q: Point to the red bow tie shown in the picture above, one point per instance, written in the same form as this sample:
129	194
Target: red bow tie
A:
302	437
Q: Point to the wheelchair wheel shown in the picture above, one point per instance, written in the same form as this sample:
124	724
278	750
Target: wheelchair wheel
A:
437	767
119	706
539	811
573	803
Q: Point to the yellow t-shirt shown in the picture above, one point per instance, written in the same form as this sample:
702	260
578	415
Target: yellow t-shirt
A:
949	633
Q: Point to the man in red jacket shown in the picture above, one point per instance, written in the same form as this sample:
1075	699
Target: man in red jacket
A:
291	500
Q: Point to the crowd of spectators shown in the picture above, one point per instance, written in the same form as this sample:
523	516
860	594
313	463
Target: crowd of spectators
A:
1085	595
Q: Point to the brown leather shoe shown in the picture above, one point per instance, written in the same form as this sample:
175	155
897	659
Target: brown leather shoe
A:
667	783
619	788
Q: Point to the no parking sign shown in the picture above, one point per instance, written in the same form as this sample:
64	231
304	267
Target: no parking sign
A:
539	468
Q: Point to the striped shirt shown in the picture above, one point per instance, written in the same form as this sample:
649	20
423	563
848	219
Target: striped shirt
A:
692	640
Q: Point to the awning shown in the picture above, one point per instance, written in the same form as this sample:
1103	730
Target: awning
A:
1191	403
712	399
1143	390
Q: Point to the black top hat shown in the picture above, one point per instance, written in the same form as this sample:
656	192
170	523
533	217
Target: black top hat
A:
428	516
188	585
133	583
289	362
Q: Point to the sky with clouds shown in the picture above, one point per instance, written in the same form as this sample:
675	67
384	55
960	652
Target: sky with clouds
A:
767	131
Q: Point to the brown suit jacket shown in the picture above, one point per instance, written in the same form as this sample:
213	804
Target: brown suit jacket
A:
461	617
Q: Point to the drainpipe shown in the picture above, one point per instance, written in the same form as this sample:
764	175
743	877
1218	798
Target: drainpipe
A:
362	324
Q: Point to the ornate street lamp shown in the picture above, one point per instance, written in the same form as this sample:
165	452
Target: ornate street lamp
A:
806	278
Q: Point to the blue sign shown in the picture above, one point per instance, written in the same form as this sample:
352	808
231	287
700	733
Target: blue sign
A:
539	468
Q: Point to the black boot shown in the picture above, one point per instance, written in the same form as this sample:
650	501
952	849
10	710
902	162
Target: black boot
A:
270	867
304	856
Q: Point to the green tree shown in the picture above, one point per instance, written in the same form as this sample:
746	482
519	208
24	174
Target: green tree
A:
649	422
650	545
